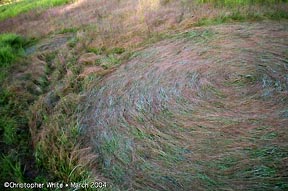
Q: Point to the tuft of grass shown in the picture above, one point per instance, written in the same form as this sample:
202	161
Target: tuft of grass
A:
14	9
8	125
72	42
104	50
68	30
11	168
110	61
117	50
97	51
11	45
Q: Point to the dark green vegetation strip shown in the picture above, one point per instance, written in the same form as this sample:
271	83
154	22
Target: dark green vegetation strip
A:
27	108
11	47
240	17
241	2
14	9
13	122
245	10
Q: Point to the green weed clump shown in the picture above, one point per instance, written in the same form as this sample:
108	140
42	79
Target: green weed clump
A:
14	9
11	46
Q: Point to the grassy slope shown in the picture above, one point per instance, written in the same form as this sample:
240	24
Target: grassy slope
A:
253	151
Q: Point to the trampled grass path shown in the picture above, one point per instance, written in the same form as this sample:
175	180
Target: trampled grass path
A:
205	109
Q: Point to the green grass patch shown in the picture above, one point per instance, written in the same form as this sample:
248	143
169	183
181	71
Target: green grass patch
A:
59	152
245	10
72	42
11	168
240	17
104	50
243	81
232	3
9	127
97	50
208	181
110	61
67	30
14	9
117	50
11	45
234	17
198	35
269	152
15	140
211	91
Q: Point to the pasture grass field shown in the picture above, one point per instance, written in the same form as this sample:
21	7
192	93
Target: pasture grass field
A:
145	95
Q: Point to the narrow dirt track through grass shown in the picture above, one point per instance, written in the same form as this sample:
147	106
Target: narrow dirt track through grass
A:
205	109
